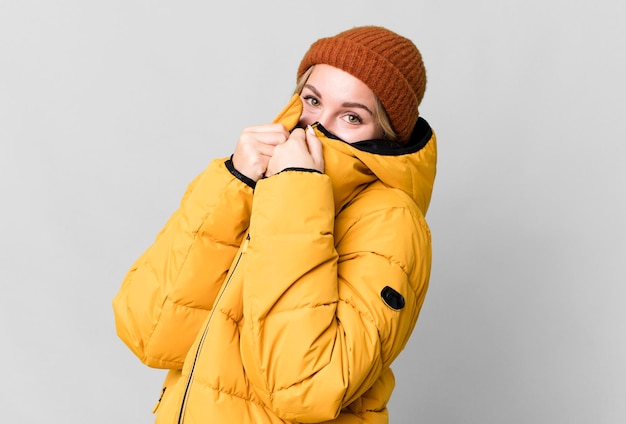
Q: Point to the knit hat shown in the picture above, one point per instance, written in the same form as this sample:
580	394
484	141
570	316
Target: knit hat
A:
389	64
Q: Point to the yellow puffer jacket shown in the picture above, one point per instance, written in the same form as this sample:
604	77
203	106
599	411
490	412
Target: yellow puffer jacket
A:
287	303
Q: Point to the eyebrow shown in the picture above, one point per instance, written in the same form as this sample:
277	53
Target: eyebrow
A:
344	104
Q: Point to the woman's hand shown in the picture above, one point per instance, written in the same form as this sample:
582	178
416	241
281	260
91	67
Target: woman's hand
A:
255	147
301	150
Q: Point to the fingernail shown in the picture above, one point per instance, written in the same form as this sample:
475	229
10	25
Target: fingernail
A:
309	129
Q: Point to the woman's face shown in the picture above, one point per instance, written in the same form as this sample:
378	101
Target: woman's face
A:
343	104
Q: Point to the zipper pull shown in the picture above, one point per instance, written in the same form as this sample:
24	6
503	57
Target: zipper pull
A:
245	243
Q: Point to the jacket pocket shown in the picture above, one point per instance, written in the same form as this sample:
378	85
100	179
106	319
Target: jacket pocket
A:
171	379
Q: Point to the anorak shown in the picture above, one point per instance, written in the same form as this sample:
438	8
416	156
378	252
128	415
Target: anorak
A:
289	301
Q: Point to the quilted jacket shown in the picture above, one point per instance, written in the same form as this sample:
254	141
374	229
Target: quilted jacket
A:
287	302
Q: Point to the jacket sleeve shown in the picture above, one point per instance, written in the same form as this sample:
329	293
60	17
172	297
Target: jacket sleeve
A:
318	330
166	294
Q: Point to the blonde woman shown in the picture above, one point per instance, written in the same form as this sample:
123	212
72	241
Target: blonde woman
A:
293	272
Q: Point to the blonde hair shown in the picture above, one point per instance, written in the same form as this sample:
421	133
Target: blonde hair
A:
380	114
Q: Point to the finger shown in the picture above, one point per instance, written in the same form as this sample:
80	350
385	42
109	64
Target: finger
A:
270	133
253	140
314	144
271	138
315	149
266	128
279	128
297	135
255	149
265	149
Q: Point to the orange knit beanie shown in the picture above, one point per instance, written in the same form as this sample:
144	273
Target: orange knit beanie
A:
389	64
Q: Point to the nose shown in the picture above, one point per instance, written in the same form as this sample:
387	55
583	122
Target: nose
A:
321	118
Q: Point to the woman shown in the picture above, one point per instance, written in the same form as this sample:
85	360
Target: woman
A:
293	273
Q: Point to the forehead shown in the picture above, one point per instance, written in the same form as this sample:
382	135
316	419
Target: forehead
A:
334	82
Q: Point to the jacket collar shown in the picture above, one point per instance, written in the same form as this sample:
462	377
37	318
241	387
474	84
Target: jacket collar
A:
410	168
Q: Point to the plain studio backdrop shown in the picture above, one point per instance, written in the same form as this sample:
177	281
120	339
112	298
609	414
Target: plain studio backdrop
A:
108	110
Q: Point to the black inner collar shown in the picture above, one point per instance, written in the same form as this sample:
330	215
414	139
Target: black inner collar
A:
419	138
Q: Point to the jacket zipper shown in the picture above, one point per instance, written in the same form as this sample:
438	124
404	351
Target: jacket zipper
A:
183	404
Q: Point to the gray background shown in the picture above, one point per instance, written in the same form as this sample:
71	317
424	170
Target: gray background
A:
108	109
